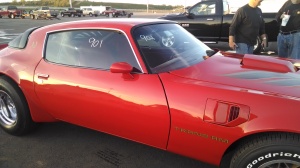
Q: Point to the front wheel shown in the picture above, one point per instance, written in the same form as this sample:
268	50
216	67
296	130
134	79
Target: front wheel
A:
12	16
15	117
270	150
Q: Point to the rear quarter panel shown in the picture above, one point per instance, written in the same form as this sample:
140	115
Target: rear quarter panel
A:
19	65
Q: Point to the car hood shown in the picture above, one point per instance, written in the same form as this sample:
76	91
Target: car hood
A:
255	73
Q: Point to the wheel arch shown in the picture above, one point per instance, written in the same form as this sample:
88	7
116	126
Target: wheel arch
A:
229	152
37	114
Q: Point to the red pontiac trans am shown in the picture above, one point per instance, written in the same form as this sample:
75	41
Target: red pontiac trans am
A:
151	81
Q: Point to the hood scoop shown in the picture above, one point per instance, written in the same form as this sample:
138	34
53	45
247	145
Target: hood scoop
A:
267	63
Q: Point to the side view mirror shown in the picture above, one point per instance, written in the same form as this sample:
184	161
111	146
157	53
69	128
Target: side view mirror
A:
121	67
191	16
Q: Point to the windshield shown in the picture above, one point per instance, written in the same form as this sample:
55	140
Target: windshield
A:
167	47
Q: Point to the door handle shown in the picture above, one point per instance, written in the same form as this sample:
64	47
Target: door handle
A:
43	76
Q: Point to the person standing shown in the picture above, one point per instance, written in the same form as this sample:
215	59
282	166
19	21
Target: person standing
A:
246	26
288	39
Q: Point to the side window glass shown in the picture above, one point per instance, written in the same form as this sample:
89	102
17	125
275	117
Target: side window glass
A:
89	48
61	49
206	8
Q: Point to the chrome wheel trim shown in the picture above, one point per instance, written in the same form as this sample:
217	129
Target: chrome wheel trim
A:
280	163
8	111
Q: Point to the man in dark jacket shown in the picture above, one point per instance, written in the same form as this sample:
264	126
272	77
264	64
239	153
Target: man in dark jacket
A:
246	26
288	39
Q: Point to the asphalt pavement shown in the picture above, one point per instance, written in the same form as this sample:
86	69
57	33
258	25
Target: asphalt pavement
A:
62	145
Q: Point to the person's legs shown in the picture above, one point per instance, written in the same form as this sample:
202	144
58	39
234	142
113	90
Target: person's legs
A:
295	46
282	46
243	48
250	49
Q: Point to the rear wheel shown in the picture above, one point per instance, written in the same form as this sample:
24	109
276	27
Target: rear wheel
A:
12	16
15	117
270	150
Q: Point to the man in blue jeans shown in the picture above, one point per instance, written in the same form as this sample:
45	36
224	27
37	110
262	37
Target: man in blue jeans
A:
246	26
288	39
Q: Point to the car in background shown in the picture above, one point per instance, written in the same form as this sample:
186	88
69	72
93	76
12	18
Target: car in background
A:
153	82
11	12
113	12
71	12
90	12
43	12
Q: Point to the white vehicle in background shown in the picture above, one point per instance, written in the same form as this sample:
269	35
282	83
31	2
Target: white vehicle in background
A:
90	12
101	8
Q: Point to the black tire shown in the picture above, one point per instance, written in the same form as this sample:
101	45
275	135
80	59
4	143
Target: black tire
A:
12	16
257	48
15	117
270	150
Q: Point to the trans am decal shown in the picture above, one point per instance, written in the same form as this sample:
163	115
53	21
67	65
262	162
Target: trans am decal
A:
214	138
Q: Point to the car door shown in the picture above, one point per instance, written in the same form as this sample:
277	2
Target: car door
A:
204	21
74	84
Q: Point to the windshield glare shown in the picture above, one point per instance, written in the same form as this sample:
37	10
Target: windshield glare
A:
167	47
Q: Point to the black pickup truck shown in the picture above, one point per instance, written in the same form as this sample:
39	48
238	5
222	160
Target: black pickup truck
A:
71	12
209	21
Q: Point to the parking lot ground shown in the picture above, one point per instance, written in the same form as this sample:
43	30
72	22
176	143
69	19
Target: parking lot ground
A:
64	145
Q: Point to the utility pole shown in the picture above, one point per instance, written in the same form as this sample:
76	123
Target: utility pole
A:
70	1
147	6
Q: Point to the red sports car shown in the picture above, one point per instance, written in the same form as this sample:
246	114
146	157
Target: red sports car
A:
150	81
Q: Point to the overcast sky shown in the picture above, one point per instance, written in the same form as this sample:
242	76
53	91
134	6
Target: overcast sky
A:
268	3
155	2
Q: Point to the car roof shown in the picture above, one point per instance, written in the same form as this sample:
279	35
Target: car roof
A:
118	23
